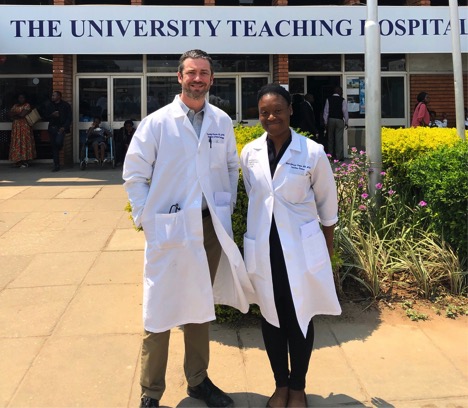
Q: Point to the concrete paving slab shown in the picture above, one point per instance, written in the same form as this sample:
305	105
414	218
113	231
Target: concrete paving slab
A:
55	269
17	356
65	205
12	266
27	242
103	309
21	206
9	219
125	222
107	204
117	192
116	267
80	240
30	312
126	240
35	192
385	363
330	380
81	372
94	220
44	221
79	192
7	191
447	337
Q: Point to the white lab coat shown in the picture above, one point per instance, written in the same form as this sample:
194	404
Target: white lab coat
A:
301	194
166	164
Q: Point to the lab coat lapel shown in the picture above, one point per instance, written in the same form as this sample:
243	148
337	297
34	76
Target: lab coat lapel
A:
262	155
294	146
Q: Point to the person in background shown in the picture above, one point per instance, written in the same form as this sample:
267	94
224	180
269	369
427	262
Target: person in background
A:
335	118
59	125
181	173
421	116
22	146
297	101
97	138
307	123
288	245
123	140
435	122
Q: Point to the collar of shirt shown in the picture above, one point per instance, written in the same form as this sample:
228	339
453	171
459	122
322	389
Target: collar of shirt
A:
274	158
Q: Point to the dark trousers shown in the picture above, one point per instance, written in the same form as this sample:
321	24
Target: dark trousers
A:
289	335
56	142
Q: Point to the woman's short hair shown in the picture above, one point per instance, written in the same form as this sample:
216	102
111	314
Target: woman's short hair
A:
274	89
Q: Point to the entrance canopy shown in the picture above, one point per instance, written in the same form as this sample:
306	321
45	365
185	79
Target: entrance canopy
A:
240	30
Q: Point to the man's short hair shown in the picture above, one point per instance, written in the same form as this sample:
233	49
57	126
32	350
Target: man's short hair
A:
194	54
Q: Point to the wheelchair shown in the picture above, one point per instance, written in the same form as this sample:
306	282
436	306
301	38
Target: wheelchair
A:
87	154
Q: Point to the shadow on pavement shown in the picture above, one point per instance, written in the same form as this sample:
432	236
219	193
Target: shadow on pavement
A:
41	175
258	400
355	323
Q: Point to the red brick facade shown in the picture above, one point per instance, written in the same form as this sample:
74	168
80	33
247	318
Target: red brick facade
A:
441	90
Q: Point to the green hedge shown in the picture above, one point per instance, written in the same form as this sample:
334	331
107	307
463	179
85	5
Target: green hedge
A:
441	177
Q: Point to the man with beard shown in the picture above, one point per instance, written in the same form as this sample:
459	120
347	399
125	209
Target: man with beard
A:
181	174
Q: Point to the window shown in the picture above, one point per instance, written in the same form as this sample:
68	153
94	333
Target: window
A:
109	63
26	64
221	63
389	62
173	2
160	92
314	63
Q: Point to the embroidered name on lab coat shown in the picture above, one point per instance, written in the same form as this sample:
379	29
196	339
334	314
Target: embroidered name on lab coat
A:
297	168
216	137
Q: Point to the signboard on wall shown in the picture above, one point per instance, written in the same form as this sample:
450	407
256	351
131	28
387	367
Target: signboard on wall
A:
240	30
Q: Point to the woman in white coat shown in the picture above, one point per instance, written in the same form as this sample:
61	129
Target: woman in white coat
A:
291	192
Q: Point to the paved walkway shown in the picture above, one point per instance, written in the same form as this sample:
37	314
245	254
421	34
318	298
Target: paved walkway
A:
70	317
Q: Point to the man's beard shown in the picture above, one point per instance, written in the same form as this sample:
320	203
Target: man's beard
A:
197	94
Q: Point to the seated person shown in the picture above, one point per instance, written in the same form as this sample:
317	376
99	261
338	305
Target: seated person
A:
97	137
124	139
437	123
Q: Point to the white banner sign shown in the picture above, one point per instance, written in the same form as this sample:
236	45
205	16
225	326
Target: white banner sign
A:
239	30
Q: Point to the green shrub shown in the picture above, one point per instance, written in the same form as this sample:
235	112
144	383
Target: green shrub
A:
441	177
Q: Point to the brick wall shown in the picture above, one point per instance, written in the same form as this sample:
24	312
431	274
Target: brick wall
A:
62	80
281	69
441	90
136	2
210	2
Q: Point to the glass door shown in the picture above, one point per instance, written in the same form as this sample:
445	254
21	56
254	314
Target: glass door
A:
237	96
126	101
223	94
92	100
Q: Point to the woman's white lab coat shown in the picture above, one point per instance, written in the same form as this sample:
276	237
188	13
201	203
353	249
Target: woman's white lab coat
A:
301	195
167	165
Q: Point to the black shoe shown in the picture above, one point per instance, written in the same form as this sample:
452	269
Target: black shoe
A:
211	394
147	402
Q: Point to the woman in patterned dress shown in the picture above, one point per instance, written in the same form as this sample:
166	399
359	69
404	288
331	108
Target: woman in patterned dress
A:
22	147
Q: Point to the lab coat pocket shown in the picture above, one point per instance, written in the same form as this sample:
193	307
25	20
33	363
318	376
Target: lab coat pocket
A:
295	187
223	210
170	230
249	255
314	246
